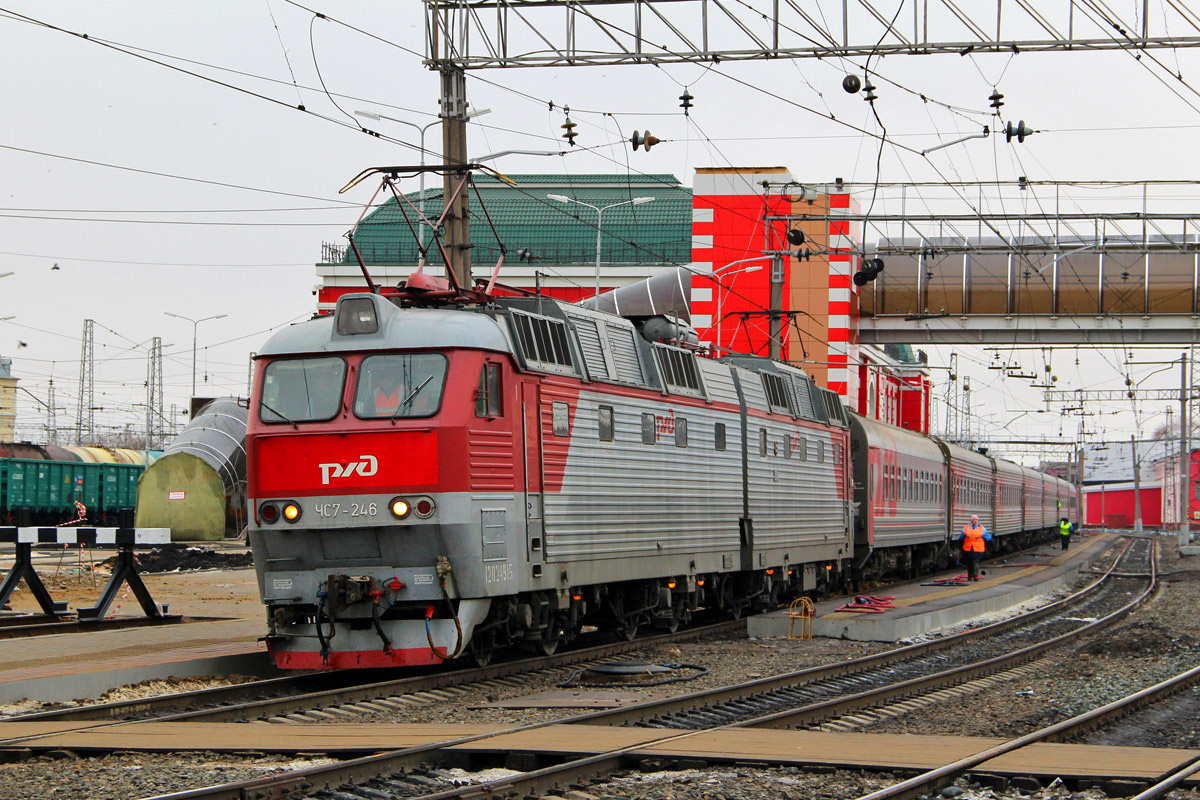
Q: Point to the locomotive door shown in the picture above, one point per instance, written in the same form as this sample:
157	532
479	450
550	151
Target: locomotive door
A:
531	428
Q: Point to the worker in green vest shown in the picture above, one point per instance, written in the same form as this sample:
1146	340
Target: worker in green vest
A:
1064	529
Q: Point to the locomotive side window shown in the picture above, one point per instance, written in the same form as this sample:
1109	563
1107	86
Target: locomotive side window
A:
606	423
803	449
719	435
395	386
648	429
762	442
488	395
681	433
302	390
787	446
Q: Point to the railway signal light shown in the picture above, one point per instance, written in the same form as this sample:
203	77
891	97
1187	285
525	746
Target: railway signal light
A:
645	141
1020	130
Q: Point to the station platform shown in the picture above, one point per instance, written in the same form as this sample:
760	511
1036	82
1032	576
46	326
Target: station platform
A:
218	635
920	607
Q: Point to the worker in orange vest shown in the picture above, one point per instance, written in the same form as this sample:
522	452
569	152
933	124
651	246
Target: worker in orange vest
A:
974	542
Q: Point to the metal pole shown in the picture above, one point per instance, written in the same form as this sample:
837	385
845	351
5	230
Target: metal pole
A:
1137	485
599	215
1185	456
195	328
421	200
1183	453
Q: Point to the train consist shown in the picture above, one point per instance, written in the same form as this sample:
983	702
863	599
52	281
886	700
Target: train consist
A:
41	484
434	482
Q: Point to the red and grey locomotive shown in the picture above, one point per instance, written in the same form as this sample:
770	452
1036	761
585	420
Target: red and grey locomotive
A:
433	482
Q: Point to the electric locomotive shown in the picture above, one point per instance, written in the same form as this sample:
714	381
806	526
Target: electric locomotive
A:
428	483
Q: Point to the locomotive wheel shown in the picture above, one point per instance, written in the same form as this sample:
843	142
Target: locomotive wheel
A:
548	643
628	629
483	649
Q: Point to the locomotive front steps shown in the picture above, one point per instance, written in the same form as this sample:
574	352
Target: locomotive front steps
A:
921	609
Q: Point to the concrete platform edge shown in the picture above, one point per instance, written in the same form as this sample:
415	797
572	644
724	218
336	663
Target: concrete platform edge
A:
90	685
775	625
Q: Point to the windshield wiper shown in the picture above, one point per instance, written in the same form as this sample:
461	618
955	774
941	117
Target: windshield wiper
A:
410	397
283	417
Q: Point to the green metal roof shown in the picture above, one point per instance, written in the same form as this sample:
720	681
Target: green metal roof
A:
557	233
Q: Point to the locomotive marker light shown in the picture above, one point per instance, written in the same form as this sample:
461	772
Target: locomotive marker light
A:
424	507
400	508
269	512
291	511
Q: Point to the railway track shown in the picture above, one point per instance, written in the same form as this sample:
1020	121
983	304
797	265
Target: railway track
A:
405	773
276	698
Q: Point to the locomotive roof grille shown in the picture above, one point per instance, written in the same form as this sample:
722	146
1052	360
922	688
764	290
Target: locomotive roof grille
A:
543	342
777	396
678	368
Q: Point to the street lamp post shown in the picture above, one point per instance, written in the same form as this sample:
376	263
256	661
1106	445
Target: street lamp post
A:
720	286
422	129
195	329
637	201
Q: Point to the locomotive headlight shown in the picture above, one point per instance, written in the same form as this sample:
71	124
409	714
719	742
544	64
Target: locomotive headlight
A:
291	512
400	508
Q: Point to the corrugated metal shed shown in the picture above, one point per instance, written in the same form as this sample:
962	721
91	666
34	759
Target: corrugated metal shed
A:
557	233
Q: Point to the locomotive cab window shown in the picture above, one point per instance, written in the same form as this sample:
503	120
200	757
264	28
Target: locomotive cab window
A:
488	395
302	390
400	385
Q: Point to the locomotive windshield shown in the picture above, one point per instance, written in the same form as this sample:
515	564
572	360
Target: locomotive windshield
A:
400	385
302	390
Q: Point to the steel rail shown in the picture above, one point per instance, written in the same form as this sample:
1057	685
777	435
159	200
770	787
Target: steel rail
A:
1172	781
368	767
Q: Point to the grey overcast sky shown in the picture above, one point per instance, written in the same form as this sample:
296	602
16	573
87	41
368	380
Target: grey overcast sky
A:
157	191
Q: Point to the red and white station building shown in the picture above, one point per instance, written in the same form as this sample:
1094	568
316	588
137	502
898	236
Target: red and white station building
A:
733	227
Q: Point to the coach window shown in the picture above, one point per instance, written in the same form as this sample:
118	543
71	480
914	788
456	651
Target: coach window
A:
719	435
303	389
762	442
606	423
488	395
681	432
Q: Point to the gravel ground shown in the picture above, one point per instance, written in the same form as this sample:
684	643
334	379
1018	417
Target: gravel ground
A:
740	783
122	776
